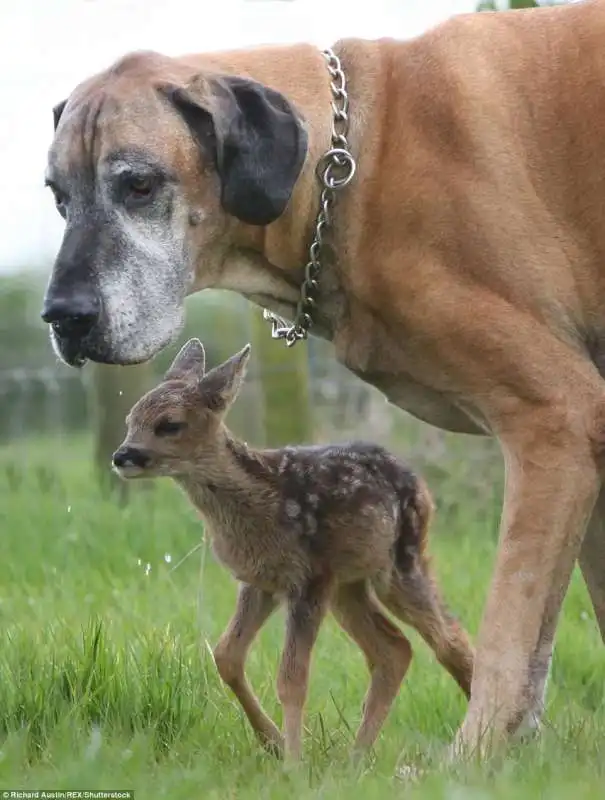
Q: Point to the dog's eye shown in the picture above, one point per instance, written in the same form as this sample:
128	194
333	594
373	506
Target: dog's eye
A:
59	196
169	427
139	188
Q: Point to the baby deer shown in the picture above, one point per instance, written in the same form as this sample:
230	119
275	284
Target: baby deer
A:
320	527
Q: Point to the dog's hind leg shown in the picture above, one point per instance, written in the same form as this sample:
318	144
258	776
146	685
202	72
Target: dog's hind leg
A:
592	561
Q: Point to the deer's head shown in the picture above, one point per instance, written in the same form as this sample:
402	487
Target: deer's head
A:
177	428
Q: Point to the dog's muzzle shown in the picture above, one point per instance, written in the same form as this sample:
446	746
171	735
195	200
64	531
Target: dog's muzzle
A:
72	321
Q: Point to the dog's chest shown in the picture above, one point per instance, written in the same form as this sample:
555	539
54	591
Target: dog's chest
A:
404	369
444	410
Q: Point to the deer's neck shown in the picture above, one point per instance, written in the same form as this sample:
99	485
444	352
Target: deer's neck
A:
240	482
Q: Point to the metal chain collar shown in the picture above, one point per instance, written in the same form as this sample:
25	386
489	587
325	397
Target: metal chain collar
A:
335	170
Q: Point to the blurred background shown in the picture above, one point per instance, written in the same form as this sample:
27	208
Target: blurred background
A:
291	395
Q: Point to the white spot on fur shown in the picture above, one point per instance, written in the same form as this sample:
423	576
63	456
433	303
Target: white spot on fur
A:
292	509
311	523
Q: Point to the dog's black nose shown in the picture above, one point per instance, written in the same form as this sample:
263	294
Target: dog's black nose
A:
72	317
130	457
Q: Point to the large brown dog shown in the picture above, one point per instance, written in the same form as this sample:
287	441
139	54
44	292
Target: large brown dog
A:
469	283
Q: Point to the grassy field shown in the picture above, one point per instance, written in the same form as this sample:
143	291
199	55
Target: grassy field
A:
106	678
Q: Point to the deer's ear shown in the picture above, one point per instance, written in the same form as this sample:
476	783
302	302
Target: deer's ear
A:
190	362
221	385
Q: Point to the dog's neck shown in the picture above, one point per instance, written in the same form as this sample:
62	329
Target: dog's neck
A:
267	264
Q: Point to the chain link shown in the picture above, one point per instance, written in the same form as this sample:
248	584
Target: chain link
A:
335	170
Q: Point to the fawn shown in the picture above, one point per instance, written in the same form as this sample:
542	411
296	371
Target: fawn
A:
315	527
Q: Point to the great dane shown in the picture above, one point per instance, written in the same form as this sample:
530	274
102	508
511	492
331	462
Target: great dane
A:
467	277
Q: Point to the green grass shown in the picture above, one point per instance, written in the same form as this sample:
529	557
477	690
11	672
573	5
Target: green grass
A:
106	678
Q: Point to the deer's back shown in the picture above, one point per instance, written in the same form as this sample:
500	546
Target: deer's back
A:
338	510
346	505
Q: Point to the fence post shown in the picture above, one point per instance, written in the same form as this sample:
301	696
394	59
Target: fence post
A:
115	390
284	380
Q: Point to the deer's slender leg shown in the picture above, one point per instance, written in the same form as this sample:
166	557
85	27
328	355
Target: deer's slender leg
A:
253	609
414	598
306	611
387	651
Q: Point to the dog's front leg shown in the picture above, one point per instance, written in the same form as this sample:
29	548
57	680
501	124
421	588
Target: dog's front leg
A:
552	483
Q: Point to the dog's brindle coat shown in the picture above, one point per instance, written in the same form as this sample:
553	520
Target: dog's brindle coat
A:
470	280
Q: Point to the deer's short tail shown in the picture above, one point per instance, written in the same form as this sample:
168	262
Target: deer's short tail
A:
414	597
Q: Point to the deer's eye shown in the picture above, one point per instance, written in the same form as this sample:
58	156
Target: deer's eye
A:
169	427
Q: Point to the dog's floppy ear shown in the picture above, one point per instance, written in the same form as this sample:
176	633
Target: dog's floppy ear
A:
57	111
256	137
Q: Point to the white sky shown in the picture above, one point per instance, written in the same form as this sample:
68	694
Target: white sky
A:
47	46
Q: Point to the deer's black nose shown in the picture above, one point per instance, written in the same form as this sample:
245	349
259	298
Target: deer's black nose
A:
72	317
130	457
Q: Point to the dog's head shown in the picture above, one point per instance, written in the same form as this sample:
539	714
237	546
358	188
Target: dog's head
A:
151	167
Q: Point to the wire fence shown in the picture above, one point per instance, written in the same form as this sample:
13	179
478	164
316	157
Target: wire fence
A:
42	398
